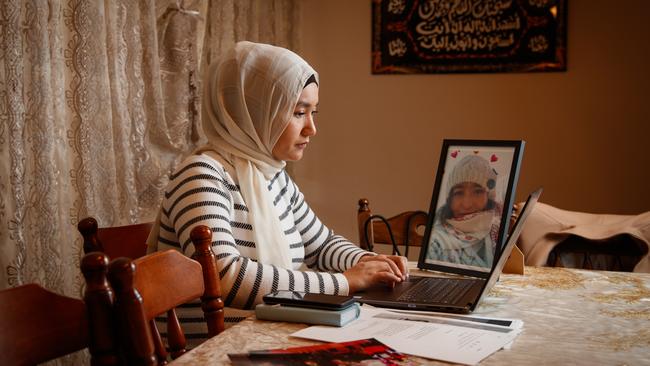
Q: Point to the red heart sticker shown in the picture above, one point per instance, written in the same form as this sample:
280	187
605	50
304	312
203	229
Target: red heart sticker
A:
493	158
454	154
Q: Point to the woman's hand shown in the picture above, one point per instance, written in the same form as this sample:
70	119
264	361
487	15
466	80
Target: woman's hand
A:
376	269
398	264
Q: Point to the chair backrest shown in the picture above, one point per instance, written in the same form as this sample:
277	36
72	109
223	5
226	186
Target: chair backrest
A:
157	283
39	325
406	228
118	241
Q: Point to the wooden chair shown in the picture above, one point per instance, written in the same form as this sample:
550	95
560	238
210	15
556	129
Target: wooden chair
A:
406	229
39	325
157	283
118	241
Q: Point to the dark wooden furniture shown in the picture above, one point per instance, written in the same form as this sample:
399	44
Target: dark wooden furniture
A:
157	283
118	241
39	325
406	228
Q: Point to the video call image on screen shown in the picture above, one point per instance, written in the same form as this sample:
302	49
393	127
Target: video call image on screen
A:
469	207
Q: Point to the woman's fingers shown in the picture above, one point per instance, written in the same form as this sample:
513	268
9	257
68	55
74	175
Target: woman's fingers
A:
371	272
387	278
398	264
384	259
384	274
402	263
391	264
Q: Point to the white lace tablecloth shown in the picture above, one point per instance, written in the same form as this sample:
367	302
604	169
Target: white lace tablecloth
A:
570	316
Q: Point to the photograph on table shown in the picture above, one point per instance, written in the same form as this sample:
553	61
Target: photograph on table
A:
471	203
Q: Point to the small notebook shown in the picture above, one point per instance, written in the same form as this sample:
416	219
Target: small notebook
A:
307	315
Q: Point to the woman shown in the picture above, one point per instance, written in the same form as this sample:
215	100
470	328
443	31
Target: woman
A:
258	107
466	227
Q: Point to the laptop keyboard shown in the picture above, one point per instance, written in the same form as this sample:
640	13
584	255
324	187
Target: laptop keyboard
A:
437	291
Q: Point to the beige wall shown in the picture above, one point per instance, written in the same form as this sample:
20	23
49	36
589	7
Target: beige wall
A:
379	136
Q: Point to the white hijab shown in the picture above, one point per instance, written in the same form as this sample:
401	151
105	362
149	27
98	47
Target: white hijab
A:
249	97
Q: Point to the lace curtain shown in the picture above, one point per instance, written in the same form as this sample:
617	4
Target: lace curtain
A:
99	100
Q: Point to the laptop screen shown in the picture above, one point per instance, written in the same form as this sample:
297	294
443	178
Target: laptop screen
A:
512	238
471	205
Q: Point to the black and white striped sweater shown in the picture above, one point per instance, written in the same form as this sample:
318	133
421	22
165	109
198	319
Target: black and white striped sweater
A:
202	192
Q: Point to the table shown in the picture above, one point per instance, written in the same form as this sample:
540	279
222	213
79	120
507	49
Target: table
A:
570	316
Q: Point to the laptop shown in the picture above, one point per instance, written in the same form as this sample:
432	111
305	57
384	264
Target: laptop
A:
456	293
460	282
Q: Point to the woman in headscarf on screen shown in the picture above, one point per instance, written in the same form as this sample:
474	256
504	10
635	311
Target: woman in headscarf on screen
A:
467	225
258	109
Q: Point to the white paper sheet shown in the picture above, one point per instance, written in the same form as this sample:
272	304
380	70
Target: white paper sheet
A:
442	338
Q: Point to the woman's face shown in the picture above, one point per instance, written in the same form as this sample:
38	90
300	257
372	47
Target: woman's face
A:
467	198
295	137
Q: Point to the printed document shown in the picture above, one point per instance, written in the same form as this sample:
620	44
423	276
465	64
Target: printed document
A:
446	337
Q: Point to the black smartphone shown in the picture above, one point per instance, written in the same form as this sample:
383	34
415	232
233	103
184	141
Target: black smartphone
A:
308	299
